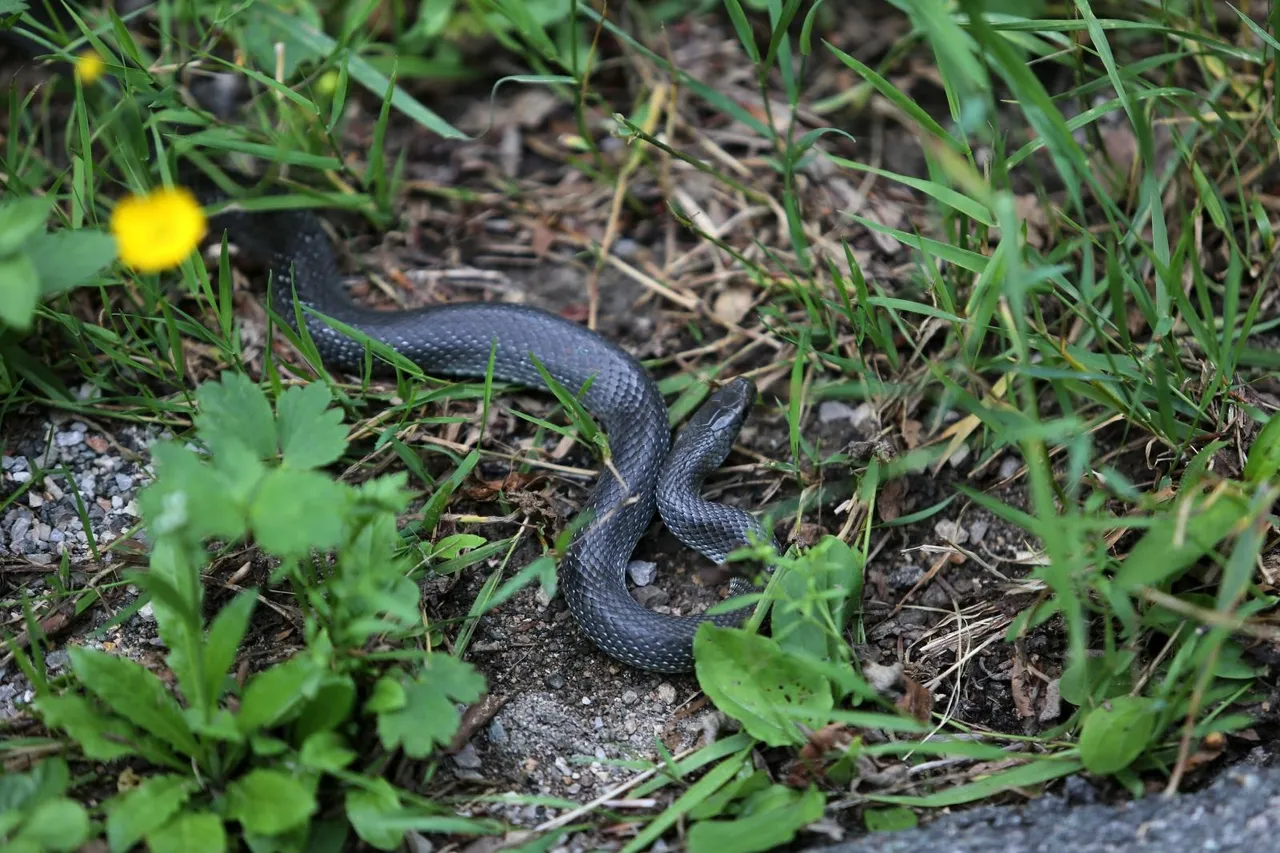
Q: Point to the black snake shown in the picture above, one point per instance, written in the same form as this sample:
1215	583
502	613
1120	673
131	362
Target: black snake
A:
455	340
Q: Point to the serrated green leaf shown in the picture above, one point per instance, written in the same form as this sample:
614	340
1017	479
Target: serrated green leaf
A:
430	716
188	498
326	751
136	694
56	826
269	802
1116	733
225	633
19	291
67	259
311	434
191	832
750	678
102	737
296	511
132	816
234	409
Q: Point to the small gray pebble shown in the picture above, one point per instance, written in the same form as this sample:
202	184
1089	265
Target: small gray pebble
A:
497	732
467	758
651	596
124	482
630	697
57	659
68	439
88	483
18	532
555	681
1009	467
642	572
904	577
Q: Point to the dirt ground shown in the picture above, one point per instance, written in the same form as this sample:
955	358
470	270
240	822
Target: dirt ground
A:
940	593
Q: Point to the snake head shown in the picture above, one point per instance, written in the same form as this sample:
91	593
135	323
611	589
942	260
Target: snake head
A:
727	407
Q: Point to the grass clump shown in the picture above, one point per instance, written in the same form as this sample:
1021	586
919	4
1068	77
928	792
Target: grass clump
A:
1073	278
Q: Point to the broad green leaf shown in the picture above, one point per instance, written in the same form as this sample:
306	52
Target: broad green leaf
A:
430	715
133	816
225	633
191	832
365	809
750	678
326	751
276	694
1169	546
1264	453
24	791
136	694
20	219
763	829
311	435
1079	681
235	409
1116	733
19	291
331	706
269	802
56	826
296	511
820	591
892	819
103	737
188	498
67	259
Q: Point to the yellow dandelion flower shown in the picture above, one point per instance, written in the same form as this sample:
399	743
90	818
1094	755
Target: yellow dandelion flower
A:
159	230
89	66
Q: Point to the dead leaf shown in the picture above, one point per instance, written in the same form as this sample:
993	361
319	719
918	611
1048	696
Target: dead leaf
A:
892	497
916	700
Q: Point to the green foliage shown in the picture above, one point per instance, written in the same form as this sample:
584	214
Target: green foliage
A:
1130	324
271	758
1116	733
36	816
37	264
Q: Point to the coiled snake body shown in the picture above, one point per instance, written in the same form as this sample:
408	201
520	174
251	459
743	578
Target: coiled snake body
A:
456	340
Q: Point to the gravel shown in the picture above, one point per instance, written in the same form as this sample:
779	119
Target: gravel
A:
57	474
1240	811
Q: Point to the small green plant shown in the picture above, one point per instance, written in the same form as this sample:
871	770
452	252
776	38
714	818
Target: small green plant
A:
36	263
36	815
270	755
